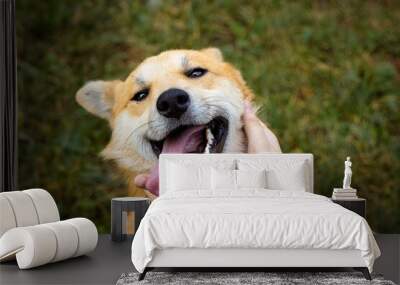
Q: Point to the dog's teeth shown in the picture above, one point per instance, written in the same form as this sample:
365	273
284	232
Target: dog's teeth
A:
210	136
210	140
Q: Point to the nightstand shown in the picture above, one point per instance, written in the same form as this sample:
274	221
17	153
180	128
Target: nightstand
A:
126	214
357	205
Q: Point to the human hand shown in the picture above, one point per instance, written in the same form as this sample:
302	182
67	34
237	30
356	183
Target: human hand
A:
259	137
140	181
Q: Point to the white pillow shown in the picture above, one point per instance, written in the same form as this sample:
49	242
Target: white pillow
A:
181	177
223	179
293	180
281	174
251	178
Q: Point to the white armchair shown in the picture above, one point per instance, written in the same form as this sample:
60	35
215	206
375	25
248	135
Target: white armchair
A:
31	230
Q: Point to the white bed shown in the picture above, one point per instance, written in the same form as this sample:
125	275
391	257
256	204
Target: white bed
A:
249	227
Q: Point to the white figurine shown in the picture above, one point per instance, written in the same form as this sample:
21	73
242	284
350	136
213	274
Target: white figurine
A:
347	174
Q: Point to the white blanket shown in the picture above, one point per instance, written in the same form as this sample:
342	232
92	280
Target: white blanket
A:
250	219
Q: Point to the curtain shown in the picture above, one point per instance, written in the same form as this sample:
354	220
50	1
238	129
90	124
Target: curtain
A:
8	97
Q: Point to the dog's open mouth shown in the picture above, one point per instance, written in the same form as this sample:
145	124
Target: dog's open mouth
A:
208	138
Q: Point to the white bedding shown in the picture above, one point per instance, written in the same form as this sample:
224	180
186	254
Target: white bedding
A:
252	218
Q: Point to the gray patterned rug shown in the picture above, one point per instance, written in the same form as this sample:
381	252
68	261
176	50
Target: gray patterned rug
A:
231	278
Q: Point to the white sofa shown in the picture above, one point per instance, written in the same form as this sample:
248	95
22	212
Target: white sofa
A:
31	231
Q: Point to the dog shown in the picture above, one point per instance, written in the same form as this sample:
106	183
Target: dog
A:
179	101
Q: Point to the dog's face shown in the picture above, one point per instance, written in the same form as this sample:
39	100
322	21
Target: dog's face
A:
180	101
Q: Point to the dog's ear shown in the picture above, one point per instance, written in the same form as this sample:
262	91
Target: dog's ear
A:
213	52
97	97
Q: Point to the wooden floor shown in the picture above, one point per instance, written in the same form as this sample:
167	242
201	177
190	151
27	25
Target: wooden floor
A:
110	260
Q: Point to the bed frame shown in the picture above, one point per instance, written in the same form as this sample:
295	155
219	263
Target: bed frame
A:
246	258
242	259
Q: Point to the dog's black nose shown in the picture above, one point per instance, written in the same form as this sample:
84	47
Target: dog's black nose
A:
173	102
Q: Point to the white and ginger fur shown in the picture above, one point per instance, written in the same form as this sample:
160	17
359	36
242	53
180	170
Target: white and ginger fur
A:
220	92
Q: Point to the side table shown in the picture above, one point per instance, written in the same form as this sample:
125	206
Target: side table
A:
126	214
357	205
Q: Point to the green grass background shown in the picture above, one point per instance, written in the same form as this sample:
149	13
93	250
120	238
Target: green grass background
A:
327	74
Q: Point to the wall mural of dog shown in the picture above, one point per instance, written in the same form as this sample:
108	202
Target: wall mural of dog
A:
180	101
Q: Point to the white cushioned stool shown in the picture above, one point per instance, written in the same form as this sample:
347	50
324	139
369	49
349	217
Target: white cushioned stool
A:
31	230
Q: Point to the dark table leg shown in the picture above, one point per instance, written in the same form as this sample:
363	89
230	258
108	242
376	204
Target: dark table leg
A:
364	271
116	221
143	274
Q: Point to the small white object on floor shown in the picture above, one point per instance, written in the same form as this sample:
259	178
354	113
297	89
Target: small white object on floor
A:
31	231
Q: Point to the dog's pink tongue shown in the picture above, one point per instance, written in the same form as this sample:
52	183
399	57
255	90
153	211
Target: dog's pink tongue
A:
186	141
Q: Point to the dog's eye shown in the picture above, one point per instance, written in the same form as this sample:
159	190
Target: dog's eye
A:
139	96
196	72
